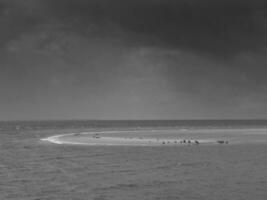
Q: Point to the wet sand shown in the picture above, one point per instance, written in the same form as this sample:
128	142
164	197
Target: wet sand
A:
163	137
120	141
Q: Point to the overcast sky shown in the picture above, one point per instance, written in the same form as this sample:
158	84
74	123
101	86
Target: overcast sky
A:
125	59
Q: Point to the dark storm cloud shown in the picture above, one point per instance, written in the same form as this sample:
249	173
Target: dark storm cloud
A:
216	27
16	18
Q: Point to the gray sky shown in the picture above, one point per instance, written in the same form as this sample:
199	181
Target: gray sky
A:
122	59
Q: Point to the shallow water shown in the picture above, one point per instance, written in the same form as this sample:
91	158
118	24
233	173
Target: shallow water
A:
32	169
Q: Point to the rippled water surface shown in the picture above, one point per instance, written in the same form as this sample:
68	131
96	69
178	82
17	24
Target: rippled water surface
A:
32	169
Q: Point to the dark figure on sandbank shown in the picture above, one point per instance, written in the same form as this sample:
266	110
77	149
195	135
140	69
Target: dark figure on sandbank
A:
222	142
96	136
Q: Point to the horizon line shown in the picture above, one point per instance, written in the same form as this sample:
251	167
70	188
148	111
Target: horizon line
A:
207	119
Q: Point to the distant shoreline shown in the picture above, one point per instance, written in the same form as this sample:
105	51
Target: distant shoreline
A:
73	139
159	137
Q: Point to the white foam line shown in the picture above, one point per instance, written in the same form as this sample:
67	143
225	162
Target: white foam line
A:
55	138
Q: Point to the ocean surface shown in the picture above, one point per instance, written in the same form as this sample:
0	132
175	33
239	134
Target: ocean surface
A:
31	169
79	124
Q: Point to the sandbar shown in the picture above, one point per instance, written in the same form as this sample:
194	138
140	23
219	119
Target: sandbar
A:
131	138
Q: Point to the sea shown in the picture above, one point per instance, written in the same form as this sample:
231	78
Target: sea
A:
31	169
79	124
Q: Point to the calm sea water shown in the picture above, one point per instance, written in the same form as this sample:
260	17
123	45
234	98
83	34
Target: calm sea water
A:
87	124
31	169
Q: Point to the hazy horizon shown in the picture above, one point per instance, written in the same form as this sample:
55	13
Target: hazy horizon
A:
84	119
